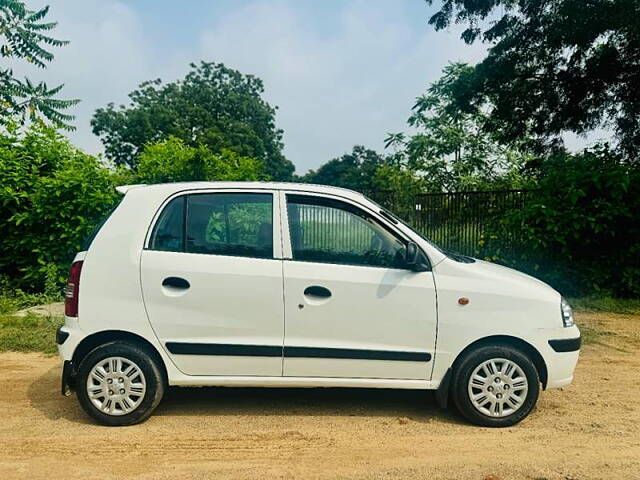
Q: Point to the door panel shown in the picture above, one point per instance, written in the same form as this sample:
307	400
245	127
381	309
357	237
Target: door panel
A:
231	301
212	289
374	314
350	310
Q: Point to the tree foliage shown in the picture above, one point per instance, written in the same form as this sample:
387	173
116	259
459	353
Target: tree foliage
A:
173	161
384	178
553	66
22	36
450	147
52	195
581	230
355	170
213	106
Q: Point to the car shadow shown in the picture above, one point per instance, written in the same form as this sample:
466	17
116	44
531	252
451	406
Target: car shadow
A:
44	395
417	405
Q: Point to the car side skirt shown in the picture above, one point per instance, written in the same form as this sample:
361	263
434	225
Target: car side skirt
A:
300	382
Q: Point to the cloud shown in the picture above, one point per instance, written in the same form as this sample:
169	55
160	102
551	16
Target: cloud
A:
334	89
342	73
107	57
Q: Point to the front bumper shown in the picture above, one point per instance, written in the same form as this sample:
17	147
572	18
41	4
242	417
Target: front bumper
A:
566	344
561	350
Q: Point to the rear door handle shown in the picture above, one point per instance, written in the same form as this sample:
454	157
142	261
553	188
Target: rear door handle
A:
317	291
176	282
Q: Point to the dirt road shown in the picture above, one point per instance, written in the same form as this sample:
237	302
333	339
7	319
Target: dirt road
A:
589	430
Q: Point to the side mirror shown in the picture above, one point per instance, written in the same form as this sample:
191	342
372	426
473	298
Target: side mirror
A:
411	254
412	258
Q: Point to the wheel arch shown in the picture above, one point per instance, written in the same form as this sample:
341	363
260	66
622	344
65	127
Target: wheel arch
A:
101	338
515	342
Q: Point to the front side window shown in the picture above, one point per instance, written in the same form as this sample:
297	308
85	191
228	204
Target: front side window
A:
235	224
330	231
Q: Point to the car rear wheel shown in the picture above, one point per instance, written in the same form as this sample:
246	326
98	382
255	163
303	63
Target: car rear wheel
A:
119	384
495	386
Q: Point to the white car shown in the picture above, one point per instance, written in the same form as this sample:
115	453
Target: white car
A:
291	285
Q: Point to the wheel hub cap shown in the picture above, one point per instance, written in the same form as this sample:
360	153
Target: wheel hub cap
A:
498	387
116	386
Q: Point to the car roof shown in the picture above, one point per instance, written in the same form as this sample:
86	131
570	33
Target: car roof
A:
181	186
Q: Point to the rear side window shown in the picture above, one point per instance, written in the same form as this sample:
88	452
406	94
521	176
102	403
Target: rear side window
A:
234	224
168	234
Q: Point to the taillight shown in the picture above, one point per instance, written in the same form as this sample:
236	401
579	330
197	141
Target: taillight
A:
72	290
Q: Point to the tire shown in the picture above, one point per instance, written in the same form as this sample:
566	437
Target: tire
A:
504	389
119	384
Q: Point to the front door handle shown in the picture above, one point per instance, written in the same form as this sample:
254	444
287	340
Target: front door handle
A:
317	291
176	282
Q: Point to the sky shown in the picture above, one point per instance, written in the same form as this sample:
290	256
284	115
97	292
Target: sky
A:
342	73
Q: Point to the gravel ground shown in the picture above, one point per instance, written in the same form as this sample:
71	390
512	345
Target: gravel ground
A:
589	430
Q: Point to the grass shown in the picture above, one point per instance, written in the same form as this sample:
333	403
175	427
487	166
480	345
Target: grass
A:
606	304
29	334
591	335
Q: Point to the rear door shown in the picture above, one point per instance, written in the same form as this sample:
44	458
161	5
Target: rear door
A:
212	282
352	308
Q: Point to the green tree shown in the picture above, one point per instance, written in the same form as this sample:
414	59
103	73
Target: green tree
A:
450	148
581	230
384	178
213	106
22	37
51	197
355	170
553	66
173	161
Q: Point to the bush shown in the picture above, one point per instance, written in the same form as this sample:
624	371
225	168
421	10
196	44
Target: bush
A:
581	231
174	161
52	196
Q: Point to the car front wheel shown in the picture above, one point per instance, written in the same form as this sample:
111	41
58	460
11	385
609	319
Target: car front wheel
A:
495	386
119	384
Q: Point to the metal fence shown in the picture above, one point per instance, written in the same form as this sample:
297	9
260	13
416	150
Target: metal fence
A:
460	221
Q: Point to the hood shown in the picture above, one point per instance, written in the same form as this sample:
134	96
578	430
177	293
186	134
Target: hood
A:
499	279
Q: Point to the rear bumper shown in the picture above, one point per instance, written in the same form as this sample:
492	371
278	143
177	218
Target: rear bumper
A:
68	336
61	336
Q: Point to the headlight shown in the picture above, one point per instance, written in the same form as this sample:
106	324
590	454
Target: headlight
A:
567	313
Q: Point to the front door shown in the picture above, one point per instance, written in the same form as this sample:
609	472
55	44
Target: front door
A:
352	308
212	285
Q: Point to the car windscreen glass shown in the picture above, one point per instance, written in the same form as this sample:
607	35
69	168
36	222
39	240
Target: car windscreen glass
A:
458	257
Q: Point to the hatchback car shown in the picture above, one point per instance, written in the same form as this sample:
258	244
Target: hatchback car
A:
287	285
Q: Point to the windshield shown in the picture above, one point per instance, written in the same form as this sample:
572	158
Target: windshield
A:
458	257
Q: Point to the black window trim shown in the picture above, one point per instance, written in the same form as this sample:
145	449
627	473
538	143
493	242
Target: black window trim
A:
186	194
353	206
